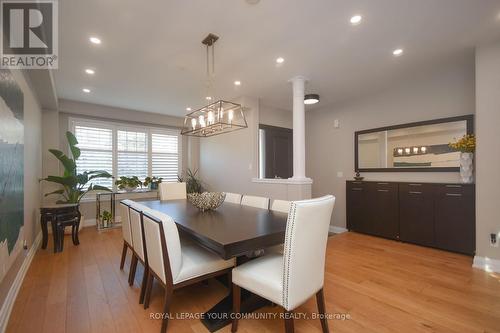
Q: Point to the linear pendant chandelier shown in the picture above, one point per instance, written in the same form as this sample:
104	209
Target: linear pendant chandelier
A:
218	117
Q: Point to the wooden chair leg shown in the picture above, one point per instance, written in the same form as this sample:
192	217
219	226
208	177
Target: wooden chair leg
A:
289	321
166	309
133	267
124	254
149	287
320	298
143	284
236	306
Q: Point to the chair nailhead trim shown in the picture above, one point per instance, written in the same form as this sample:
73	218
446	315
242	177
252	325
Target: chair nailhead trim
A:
287	252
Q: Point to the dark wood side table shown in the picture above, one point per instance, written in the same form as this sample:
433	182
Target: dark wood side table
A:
50	213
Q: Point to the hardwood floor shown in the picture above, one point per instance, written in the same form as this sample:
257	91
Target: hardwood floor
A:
384	286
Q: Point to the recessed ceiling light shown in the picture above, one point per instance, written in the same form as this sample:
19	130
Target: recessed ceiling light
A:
86	90
237	83
310	99
280	60
95	40
188	109
208	98
356	19
90	71
397	52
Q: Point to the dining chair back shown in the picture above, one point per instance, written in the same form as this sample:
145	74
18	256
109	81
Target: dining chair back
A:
163	245
282	206
233	198
253	201
125	218
172	191
305	249
135	227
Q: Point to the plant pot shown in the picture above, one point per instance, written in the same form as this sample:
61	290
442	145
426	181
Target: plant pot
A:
466	168
130	189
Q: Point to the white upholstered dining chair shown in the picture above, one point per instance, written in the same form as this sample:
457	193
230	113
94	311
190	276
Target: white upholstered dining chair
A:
126	232
292	278
139	253
173	264
233	198
282	206
253	201
172	191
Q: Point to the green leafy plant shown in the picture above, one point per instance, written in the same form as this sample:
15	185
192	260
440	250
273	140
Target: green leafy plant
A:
106	216
74	185
128	183
193	183
153	181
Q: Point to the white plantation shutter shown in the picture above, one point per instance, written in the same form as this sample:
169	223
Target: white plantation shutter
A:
132	153
96	145
127	151
165	155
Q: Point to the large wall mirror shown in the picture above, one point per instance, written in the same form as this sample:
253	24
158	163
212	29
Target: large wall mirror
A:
421	146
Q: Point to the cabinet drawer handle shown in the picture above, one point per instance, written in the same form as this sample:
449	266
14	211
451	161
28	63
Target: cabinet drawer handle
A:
415	192
453	194
383	190
357	189
454	186
414	184
382	183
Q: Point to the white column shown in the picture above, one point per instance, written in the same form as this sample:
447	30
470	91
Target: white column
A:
299	139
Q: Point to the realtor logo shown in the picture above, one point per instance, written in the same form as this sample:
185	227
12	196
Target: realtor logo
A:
29	37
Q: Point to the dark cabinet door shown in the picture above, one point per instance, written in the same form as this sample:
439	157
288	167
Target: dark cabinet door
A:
357	207
383	212
416	213
454	218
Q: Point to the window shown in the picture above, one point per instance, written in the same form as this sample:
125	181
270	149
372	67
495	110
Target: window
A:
123	150
96	145
132	159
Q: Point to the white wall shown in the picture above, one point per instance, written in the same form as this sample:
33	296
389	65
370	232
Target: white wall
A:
275	117
443	90
32	173
488	148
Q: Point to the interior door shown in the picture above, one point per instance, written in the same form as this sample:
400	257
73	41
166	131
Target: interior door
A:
278	157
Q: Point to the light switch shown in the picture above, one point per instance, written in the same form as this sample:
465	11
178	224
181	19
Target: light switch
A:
336	123
340	174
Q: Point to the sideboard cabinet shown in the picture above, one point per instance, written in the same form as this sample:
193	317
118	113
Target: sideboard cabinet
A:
429	214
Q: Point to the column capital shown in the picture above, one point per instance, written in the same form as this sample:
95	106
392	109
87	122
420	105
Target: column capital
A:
298	78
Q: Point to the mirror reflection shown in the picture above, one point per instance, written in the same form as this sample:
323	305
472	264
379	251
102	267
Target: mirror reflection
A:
423	146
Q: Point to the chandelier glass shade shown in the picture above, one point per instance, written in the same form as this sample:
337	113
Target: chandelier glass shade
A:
214	119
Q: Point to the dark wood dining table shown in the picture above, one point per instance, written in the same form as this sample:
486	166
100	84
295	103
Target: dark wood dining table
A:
230	231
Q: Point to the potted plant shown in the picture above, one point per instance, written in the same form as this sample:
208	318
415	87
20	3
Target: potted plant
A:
106	218
152	182
466	146
193	183
128	184
74	185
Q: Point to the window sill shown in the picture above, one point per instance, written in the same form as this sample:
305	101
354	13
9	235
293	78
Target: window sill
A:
289	181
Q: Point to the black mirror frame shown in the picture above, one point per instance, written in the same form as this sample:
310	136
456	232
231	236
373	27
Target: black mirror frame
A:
470	130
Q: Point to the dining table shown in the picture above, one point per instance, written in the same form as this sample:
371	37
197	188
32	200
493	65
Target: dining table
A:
230	231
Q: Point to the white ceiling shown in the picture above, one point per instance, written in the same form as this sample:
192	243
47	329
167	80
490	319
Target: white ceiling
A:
151	58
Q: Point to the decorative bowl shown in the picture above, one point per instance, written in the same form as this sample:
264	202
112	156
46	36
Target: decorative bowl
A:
206	200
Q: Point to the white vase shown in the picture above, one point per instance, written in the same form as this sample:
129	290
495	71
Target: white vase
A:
466	168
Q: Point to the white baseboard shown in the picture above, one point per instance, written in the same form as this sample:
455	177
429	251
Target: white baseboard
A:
337	230
486	264
88	223
16	285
